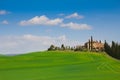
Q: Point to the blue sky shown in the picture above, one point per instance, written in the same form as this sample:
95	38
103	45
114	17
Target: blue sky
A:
39	23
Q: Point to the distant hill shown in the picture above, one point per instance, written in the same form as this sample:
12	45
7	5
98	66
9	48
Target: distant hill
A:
59	65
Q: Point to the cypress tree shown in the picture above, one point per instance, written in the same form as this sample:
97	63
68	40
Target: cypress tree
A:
91	43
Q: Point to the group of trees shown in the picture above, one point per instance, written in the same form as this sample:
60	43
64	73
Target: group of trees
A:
113	49
52	48
77	48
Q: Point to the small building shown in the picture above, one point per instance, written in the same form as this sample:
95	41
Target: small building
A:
92	45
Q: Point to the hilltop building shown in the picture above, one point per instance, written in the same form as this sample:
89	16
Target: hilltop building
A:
92	45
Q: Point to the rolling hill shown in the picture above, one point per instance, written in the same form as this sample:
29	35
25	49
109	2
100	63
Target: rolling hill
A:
59	65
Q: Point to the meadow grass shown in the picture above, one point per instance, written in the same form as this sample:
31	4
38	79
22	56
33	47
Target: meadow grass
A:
59	65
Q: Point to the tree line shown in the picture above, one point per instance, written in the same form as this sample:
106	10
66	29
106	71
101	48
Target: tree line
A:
63	48
113	49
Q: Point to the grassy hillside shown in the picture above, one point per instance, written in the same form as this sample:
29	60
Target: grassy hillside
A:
59	66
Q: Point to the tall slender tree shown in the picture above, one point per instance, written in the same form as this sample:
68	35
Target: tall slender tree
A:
91	43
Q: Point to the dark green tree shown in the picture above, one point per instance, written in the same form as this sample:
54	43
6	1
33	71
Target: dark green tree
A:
52	47
62	47
91	43
113	50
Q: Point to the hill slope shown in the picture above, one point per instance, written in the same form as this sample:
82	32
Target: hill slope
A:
59	66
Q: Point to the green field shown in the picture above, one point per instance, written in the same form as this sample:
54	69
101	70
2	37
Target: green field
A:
59	65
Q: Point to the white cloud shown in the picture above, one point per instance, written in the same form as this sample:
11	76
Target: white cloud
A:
41	20
4	22
75	15
30	43
76	26
3	12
